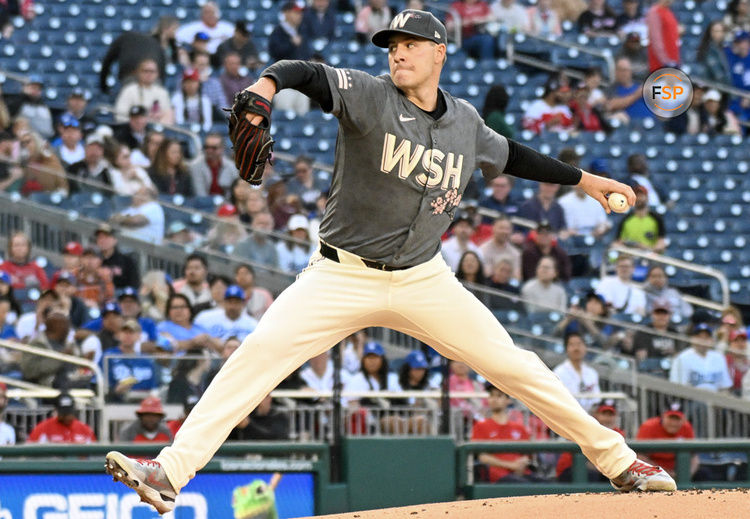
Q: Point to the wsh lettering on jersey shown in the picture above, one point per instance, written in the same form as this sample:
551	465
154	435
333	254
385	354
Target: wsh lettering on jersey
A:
437	167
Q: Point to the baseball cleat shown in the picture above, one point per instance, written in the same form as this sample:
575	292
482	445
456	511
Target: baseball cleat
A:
645	477
146	477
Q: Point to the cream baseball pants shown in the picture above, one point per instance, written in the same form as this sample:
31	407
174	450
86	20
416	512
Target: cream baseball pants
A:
330	301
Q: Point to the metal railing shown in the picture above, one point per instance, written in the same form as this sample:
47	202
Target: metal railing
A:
678	263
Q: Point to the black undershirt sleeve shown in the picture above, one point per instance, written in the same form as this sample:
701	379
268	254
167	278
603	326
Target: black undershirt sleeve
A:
303	76
527	163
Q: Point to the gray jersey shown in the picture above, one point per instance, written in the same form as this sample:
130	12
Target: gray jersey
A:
399	174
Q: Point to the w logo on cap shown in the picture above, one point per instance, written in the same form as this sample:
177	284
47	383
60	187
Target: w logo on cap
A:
400	20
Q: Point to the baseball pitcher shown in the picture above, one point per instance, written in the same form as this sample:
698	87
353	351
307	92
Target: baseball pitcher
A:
405	152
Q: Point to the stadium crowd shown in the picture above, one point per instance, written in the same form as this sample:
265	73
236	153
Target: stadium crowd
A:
138	326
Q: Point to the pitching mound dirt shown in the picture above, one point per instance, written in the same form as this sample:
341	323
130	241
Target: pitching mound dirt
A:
689	504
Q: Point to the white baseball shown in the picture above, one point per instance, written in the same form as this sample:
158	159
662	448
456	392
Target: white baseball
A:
618	203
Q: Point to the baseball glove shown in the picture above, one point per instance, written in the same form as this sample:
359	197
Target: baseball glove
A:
252	144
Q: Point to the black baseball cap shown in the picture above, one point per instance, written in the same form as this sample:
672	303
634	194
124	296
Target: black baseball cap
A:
65	404
415	23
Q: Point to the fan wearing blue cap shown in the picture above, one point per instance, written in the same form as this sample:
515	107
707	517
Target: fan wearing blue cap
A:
701	365
231	319
373	374
69	146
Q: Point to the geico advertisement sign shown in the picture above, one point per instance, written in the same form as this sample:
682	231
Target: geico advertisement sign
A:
102	506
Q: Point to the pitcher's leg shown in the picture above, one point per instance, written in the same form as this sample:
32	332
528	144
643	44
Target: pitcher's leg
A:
442	313
308	317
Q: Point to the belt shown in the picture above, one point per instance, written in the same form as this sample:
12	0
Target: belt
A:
332	254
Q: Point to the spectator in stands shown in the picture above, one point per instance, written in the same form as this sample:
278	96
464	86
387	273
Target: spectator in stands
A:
511	16
585	321
737	360
642	228
76	107
711	54
586	117
149	426
42	169
211	172
228	232
670	425
238	194
501	198
598	20
715	118
180	331
460	242
130	307
701	366
11	8
638	171
656	289
144	219
506	467
97	339
23	271
6	292
474	16
194	286
144	155
129	374
228	347
154	292
64	426
543	292
145	91
633	49
470	269
264	423
371	18
414	376
210	23
31	106
11	173
502	279
259	247
187	407
592	76
294	256
7	318
737	16
187	376
499	247
258	299
305	184
625	99
650	348
631	21
319	21
318	374
128	51
731	320
550	113
373	375
286	42
541	242
165	33
70	149
663	36
133	134
31	324
191	106
240	43
95	284
122	267
7	432
233	79
606	414
582	217
229	320
65	287
619	292
126	177
93	167
47	371
169	172
577	376
739	64
210	86
543	20
496	100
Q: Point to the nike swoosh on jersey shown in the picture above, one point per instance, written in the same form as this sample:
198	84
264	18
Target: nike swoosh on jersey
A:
404	119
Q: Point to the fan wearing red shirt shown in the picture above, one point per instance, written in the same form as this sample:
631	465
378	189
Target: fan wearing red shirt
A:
23	272
174	425
505	467
64	427
605	414
475	14
150	426
663	36
671	425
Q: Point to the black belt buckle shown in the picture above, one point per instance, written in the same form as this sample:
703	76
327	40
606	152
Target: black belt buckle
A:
376	265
